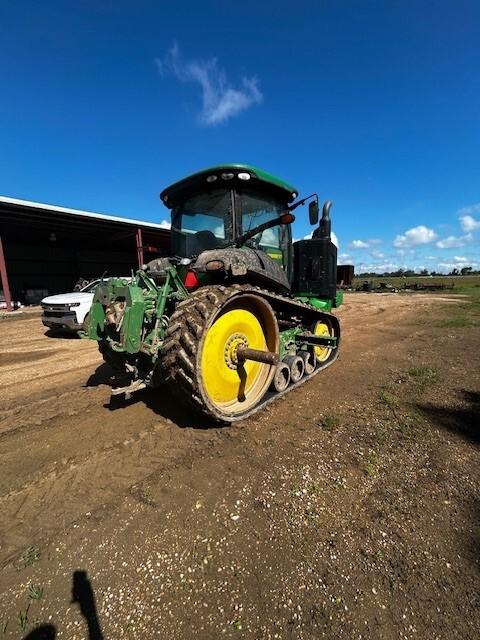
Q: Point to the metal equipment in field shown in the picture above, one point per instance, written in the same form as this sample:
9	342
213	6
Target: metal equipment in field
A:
239	314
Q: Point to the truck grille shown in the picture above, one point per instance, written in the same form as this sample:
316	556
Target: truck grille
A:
55	307
58	314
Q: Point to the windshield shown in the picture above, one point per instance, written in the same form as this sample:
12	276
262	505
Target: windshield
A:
202	222
256	210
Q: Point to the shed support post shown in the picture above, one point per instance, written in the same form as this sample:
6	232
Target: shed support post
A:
4	276
139	242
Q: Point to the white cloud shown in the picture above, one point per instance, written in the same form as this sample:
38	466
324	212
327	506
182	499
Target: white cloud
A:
373	267
469	223
378	254
457	264
453	242
344	257
417	235
363	244
358	244
165	224
220	101
472	208
460	259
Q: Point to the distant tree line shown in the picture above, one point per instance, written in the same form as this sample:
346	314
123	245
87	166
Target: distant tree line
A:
409	273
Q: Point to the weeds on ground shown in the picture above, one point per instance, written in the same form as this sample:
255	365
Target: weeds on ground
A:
22	618
28	557
459	321
35	592
329	422
146	497
310	514
371	464
388	399
424	377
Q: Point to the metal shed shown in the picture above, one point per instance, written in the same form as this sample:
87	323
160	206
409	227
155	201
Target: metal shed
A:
45	249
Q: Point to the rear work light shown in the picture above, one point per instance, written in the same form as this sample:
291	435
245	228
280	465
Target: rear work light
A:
191	281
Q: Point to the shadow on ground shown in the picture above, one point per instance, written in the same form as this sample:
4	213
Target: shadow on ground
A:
43	632
159	400
464	420
62	335
84	596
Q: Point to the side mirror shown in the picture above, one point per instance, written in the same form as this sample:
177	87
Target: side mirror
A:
313	212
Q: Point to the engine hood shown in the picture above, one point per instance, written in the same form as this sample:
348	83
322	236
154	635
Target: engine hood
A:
68	298
253	264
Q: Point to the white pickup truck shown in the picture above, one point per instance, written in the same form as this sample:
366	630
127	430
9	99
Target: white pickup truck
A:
68	311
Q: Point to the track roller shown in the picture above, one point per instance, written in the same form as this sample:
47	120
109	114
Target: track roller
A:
296	366
308	361
281	379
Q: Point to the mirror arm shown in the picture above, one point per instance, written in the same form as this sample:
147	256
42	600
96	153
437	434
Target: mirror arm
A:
301	202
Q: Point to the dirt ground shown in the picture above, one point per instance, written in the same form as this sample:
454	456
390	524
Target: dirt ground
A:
349	509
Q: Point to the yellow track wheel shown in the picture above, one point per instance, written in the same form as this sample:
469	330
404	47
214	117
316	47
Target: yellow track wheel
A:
233	387
322	329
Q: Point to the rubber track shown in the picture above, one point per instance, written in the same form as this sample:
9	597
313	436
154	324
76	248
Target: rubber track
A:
185	330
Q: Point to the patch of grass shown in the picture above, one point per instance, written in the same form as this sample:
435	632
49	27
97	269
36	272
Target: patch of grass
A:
22	618
237	624
330	422
380	437
28	557
146	497
296	492
371	464
314	488
34	592
310	514
424	376
459	321
388	399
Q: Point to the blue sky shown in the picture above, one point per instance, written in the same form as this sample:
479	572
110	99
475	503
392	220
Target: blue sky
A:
374	105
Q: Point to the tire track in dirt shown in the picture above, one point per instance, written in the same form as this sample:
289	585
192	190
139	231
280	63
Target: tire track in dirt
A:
69	454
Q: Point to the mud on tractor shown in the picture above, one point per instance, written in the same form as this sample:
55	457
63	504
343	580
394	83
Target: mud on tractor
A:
239	315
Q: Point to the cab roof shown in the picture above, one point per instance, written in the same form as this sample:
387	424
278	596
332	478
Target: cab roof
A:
213	176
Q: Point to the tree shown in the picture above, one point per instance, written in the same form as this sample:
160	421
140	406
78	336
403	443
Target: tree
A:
466	271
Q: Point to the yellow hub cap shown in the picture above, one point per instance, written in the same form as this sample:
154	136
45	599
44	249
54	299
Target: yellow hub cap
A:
229	385
322	353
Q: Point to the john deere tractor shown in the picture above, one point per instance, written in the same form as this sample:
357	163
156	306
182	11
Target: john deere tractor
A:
238	315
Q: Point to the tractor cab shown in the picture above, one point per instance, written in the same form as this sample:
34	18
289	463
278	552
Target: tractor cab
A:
214	208
236	218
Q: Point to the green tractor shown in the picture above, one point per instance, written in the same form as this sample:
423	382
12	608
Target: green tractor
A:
239	314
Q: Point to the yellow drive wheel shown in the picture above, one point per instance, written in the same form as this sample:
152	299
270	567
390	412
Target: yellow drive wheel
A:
322	328
233	387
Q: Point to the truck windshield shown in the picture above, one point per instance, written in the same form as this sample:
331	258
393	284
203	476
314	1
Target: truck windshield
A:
90	287
202	222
